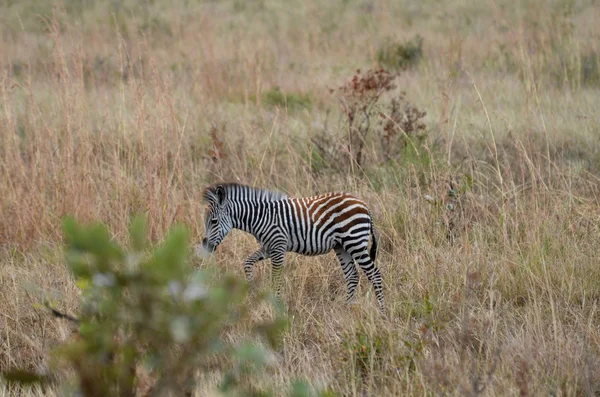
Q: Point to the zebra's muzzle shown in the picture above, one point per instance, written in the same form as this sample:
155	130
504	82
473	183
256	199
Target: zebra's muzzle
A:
207	246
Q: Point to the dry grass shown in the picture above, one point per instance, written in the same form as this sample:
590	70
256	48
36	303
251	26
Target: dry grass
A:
107	111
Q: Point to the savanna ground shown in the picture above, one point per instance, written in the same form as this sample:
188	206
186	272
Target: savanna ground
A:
488	216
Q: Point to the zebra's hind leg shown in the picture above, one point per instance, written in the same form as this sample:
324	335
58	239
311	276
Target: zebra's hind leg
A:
249	263
350	272
364	261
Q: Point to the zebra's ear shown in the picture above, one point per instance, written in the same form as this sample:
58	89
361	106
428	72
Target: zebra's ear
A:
207	194
221	194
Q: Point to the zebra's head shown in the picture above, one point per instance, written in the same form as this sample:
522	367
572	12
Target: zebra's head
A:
218	217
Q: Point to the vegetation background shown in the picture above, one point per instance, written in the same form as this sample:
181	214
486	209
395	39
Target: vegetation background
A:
482	178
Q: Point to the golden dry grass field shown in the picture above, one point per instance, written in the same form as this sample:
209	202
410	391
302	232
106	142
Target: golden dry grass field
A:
488	216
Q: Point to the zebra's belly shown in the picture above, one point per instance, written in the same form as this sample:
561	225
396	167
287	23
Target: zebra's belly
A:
310	252
311	248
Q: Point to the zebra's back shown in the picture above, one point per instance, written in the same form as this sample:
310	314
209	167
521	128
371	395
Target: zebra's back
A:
318	224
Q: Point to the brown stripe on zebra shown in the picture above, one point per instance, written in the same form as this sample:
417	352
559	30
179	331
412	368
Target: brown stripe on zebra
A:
347	215
341	200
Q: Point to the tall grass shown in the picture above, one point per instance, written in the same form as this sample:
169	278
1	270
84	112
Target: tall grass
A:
488	250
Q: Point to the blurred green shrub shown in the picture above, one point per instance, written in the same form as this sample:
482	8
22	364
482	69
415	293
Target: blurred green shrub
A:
149	322
400	55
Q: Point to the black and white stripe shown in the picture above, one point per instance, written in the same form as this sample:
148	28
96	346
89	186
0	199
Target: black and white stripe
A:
308	226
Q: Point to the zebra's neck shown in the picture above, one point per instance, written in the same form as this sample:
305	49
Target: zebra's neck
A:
242	193
254	217
253	210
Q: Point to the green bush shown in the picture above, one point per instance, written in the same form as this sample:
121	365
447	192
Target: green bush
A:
145	309
394	55
378	126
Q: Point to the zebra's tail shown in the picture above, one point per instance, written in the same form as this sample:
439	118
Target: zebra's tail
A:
373	251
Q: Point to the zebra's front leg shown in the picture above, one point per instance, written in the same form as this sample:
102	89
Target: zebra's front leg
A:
249	263
277	258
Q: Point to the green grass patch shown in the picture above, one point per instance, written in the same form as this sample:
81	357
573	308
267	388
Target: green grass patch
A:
275	97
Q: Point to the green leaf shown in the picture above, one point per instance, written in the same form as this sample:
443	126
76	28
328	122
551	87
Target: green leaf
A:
169	260
301	389
83	283
468	183
138	232
228	383
251	356
98	242
329	393
273	331
71	230
90	239
81	264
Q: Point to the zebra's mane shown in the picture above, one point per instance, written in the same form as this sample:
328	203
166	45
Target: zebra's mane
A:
236	191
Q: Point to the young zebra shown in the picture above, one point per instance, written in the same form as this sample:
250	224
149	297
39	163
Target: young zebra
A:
308	226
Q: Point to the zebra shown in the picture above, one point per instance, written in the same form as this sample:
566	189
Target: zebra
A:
307	225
